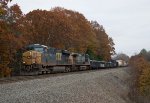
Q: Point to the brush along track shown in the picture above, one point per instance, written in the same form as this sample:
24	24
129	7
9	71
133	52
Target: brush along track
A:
26	78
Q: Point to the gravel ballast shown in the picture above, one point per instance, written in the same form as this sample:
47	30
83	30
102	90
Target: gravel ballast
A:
101	86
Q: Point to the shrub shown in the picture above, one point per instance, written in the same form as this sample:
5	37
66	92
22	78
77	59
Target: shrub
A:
141	69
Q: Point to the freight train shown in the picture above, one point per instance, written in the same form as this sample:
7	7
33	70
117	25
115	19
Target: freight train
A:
41	59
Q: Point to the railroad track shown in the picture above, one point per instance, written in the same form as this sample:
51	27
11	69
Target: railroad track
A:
26	78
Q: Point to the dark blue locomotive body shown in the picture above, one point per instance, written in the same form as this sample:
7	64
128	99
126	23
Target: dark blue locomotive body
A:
52	59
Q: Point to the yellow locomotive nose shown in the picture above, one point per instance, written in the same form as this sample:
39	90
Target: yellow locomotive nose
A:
31	57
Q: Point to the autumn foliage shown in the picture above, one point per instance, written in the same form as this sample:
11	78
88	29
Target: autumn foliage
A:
66	29
142	72
58	27
10	39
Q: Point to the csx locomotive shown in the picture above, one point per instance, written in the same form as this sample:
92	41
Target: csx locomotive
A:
40	59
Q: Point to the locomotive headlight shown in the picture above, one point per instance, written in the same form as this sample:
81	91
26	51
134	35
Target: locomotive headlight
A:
24	62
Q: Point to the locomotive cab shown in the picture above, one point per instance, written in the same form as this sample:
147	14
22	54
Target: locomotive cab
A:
33	54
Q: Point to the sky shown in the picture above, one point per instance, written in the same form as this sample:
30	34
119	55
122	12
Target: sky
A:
126	21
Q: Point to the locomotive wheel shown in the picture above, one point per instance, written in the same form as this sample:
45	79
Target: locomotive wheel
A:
88	68
48	72
28	68
67	69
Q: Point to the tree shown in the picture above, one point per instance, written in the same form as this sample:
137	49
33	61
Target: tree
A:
112	48
145	54
122	56
60	28
9	35
105	45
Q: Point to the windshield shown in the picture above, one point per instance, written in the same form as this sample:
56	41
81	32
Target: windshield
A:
38	49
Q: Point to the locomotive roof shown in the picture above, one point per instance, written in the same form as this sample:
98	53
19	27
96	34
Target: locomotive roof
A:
36	46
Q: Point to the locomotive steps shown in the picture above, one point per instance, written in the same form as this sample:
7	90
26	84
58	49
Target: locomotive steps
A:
99	86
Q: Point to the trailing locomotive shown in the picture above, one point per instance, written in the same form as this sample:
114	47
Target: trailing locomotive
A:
40	59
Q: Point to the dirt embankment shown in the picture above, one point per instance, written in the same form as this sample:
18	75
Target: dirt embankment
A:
103	86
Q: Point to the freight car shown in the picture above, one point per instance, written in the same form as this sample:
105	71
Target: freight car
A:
97	64
103	64
40	59
122	63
